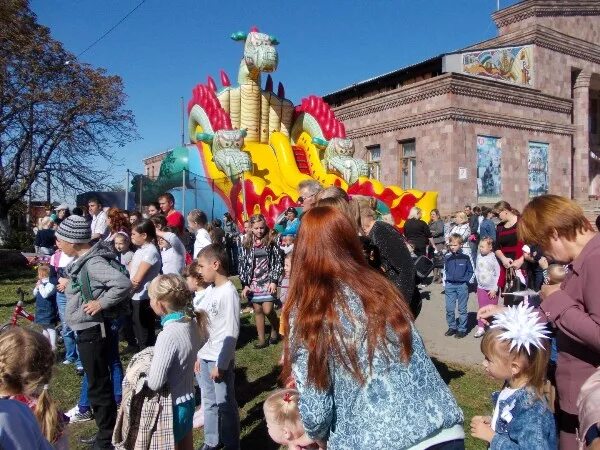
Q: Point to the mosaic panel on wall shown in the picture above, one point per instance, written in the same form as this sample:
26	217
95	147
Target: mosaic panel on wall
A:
511	64
538	168
489	156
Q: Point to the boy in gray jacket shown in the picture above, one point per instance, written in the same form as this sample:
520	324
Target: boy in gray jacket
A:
97	292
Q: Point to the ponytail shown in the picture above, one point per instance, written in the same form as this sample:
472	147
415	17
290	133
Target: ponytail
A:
47	415
202	323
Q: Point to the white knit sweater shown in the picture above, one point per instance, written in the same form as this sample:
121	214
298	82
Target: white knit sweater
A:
174	357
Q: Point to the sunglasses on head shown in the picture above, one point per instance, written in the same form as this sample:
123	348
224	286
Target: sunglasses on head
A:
303	199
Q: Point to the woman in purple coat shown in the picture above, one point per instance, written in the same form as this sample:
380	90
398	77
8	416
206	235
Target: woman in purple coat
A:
561	229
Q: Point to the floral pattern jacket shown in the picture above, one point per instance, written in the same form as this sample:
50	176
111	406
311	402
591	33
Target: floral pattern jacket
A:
246	263
524	422
398	406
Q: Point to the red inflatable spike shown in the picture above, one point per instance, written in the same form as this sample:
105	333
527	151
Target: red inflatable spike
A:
280	90
254	29
211	83
269	84
225	79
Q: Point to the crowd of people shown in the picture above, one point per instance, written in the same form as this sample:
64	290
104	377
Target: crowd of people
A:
341	286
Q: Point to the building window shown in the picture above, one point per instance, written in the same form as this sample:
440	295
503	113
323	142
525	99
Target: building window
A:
374	161
408	163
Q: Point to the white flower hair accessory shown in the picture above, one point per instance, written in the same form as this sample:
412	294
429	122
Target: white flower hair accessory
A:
521	326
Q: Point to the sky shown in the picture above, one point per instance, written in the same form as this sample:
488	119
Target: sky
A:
164	48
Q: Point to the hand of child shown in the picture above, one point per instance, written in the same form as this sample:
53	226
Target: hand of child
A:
481	428
492	294
197	367
216	374
245	292
272	288
488	311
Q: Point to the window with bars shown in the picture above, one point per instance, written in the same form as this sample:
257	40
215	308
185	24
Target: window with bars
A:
408	163
374	161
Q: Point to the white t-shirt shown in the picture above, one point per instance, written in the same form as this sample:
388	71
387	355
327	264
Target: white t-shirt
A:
222	304
202	240
197	300
147	253
99	224
173	258
504	394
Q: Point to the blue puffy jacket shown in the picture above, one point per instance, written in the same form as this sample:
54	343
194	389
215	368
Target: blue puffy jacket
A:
457	268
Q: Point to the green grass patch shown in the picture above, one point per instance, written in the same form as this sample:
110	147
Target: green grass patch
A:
256	373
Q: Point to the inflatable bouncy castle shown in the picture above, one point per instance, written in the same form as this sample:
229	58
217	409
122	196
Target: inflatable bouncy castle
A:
251	147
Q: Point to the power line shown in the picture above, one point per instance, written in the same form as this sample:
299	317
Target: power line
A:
112	28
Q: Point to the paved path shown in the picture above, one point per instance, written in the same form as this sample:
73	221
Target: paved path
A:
431	323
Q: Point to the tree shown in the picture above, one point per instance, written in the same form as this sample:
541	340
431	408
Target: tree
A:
56	113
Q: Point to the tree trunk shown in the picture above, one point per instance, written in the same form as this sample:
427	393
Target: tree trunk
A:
4	226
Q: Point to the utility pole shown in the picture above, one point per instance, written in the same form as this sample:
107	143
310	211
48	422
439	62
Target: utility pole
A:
48	186
182	123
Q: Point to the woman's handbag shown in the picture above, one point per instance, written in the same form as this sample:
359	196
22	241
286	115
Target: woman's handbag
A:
514	283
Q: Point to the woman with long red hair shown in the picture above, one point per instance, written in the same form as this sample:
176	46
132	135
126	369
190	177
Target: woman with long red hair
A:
364	378
117	223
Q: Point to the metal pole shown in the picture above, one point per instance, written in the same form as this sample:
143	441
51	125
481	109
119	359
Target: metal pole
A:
195	192
28	217
183	192
182	123
127	191
141	202
48	186
244	213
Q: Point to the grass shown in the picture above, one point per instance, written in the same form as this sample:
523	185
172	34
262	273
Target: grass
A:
256	375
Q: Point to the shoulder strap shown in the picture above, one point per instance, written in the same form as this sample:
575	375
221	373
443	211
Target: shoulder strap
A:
85	285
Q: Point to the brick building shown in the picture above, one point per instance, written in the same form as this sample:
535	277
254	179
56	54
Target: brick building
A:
152	164
508	118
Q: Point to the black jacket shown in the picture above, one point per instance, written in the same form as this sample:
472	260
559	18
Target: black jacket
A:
246	263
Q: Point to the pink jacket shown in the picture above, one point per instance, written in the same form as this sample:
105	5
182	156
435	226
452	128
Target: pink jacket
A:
575	312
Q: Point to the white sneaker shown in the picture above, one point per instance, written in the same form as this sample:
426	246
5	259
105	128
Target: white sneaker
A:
66	362
81	417
480	332
74	410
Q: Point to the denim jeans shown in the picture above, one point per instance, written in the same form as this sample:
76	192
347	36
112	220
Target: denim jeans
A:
457	295
116	369
66	332
221	415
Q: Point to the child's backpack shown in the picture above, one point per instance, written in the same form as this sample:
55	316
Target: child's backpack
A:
87	294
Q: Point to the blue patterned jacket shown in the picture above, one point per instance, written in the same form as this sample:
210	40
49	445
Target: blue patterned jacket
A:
524	422
398	406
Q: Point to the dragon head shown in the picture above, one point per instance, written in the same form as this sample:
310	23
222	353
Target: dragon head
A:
336	146
260	53
223	139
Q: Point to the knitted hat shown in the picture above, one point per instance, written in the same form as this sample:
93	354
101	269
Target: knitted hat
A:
74	229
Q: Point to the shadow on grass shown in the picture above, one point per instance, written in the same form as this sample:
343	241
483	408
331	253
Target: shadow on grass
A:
259	436
448	374
246	391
